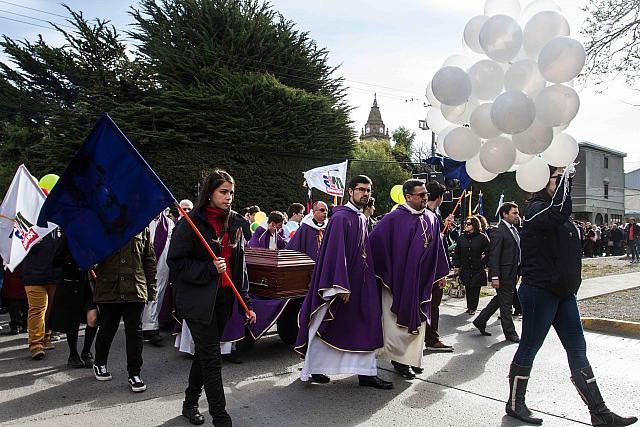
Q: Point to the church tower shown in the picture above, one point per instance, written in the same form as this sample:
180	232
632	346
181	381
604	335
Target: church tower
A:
374	128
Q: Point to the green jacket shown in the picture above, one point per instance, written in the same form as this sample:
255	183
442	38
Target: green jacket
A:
129	274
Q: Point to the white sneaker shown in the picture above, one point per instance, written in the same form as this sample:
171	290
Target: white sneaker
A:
101	373
136	383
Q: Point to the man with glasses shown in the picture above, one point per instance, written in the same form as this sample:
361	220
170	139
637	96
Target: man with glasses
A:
432	338
410	260
340	319
308	237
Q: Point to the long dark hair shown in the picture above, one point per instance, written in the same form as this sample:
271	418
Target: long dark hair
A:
214	180
543	194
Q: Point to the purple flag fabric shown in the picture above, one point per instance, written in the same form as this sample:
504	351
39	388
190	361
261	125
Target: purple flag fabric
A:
409	258
344	262
260	239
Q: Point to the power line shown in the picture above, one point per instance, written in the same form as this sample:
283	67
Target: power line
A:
25	22
37	19
34	9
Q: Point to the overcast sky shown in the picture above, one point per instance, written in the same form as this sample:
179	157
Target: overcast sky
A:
392	48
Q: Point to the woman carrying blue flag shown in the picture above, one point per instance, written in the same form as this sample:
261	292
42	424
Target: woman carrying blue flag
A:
200	298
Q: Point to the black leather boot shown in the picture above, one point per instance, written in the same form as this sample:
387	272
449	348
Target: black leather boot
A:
587	387
518	380
192	413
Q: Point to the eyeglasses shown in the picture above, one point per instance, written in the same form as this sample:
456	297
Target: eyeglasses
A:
468	223
362	189
421	195
322	210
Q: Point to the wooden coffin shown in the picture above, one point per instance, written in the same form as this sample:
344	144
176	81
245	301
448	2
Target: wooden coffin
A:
278	274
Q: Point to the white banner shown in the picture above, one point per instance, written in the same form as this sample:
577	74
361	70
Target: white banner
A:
330	179
18	215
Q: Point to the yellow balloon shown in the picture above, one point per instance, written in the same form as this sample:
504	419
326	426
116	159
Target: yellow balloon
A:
48	181
260	217
396	194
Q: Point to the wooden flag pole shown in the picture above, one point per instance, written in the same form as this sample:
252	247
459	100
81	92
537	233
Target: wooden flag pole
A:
225	277
446	227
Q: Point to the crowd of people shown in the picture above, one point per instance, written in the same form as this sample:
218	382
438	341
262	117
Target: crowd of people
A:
375	290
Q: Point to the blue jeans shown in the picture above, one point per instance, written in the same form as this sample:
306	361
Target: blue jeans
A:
540	310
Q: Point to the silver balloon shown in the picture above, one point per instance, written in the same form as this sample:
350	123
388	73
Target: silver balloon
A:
461	144
541	29
451	86
477	172
431	97
534	140
536	7
459	114
435	120
501	38
557	105
525	76
510	8
497	155
562	151
481	123
513	112
562	59
440	139
460	61
522	158
534	175
487	79
472	33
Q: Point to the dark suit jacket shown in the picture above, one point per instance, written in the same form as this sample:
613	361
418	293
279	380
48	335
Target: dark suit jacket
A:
503	261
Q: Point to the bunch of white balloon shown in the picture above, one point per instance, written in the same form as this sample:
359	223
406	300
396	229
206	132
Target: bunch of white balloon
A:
517	98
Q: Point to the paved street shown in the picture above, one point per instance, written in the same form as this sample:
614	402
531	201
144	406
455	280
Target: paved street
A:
465	388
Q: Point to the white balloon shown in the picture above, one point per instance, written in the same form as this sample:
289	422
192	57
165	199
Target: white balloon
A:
534	175
497	155
472	33
460	61
562	59
522	158
541	29
487	79
440	139
513	112
459	114
435	120
536	7
534	140
562	151
501	38
557	105
477	172
481	123
510	8
461	144
431	97
525	76
451	86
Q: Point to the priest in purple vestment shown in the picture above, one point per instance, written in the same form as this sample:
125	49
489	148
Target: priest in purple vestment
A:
272	237
340	319
308	237
409	259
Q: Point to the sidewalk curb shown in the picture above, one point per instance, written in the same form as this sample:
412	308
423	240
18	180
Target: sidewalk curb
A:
610	326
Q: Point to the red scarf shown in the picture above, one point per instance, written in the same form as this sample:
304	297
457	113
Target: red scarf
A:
217	217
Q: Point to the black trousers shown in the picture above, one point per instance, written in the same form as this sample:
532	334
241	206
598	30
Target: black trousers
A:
18	311
206	368
503	301
473	296
517	308
110	315
431	331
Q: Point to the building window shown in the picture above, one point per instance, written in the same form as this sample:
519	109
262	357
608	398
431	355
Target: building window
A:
606	191
606	163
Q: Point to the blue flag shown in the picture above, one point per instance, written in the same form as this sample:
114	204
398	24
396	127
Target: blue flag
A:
451	169
107	195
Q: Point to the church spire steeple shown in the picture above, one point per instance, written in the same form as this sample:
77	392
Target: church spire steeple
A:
375	128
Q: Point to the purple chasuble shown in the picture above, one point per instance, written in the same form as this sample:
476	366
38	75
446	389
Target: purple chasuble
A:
160	235
267	313
306	240
260	239
409	258
344	262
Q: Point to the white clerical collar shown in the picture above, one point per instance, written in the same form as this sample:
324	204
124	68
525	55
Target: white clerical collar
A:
353	207
308	220
413	211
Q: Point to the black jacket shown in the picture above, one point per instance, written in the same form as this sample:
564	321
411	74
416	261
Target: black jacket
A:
471	256
43	264
551	247
194	277
503	262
